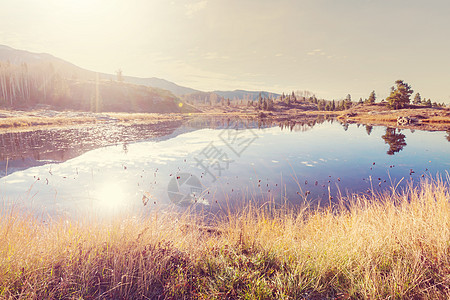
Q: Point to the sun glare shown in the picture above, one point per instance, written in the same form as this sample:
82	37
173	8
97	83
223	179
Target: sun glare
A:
110	197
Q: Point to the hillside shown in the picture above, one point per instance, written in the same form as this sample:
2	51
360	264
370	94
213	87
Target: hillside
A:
174	88
29	80
66	69
48	65
30	86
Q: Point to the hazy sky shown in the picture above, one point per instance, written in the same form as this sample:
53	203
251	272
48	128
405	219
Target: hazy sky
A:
330	47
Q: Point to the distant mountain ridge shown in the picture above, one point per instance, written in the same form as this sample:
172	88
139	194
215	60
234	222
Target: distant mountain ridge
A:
35	80
16	56
176	89
246	95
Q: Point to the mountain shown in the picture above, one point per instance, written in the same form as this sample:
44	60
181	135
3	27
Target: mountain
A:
53	69
176	89
245	95
30	80
15	56
67	69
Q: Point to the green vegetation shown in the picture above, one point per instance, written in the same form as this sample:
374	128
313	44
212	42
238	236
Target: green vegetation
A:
399	98
395	139
417	99
400	95
394	245
371	99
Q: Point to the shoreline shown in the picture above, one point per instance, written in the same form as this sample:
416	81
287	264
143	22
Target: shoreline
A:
428	119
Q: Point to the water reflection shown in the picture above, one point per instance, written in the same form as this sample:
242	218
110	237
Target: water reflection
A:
289	161
63	144
21	150
34	148
395	139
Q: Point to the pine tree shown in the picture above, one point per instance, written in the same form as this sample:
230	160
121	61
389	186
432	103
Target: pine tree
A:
320	105
400	95
270	104
288	100
372	98
417	99
348	102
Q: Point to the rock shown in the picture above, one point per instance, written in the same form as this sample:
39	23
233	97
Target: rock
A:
403	120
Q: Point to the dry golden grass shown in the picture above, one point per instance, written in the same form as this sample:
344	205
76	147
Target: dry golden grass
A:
395	246
29	121
145	118
439	119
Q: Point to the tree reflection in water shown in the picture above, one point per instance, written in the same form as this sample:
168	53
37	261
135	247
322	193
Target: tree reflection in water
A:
396	140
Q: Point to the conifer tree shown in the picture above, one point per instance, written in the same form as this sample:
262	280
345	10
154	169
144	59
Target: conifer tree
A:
348	102
320	105
372	98
270	104
417	99
400	95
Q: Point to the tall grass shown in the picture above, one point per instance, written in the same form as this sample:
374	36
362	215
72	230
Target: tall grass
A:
28	121
395	245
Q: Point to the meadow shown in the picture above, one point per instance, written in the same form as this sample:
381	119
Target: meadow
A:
392	245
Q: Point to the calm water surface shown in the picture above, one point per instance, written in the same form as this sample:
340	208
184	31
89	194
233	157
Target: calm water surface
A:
208	164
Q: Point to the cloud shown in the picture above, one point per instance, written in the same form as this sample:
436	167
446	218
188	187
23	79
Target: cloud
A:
192	8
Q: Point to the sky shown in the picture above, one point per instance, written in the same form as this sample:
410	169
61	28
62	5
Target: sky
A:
329	47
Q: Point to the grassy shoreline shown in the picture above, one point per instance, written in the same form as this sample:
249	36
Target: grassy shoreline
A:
395	245
429	118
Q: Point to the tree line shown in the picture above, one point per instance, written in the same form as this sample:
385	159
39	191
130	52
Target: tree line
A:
400	97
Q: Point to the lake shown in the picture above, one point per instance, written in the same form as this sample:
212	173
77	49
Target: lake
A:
208	164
